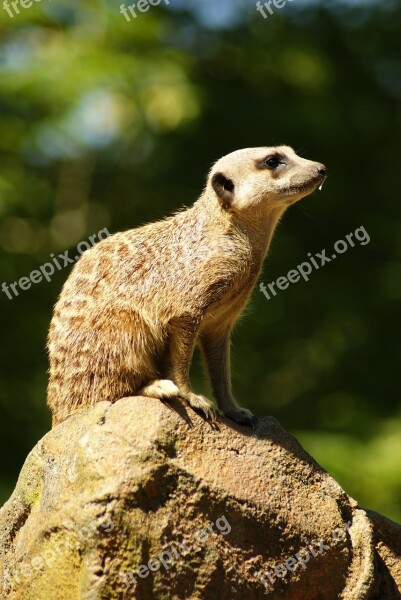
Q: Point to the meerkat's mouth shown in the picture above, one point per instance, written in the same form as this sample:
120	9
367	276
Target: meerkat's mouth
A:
315	182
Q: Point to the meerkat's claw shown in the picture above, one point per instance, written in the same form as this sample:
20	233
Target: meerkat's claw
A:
163	389
242	416
203	405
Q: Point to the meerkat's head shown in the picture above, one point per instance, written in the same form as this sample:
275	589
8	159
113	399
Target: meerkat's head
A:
264	178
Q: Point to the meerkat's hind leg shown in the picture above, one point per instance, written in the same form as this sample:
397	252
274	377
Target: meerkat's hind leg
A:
163	389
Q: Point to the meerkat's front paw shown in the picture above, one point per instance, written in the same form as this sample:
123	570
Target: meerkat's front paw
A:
242	416
163	389
201	404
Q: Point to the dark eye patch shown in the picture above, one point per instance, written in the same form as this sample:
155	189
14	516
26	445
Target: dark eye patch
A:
270	162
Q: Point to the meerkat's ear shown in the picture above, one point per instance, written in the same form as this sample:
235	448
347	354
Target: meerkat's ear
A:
224	189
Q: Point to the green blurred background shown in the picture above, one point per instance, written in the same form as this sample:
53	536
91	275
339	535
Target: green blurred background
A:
109	123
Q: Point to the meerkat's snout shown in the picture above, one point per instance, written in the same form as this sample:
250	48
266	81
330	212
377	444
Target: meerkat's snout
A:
322	171
295	177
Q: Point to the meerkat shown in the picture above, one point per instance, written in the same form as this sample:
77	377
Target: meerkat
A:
135	305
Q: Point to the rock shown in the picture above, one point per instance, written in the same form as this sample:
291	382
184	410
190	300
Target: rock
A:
148	501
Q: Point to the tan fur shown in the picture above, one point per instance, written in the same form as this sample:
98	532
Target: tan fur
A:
135	305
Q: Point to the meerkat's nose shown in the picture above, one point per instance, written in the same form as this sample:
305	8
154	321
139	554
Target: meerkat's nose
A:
321	169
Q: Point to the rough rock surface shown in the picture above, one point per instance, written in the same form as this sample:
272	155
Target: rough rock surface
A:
192	511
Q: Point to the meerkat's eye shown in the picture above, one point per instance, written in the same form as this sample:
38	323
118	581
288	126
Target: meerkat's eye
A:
272	162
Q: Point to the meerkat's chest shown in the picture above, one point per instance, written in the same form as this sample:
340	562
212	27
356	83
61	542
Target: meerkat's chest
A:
232	302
